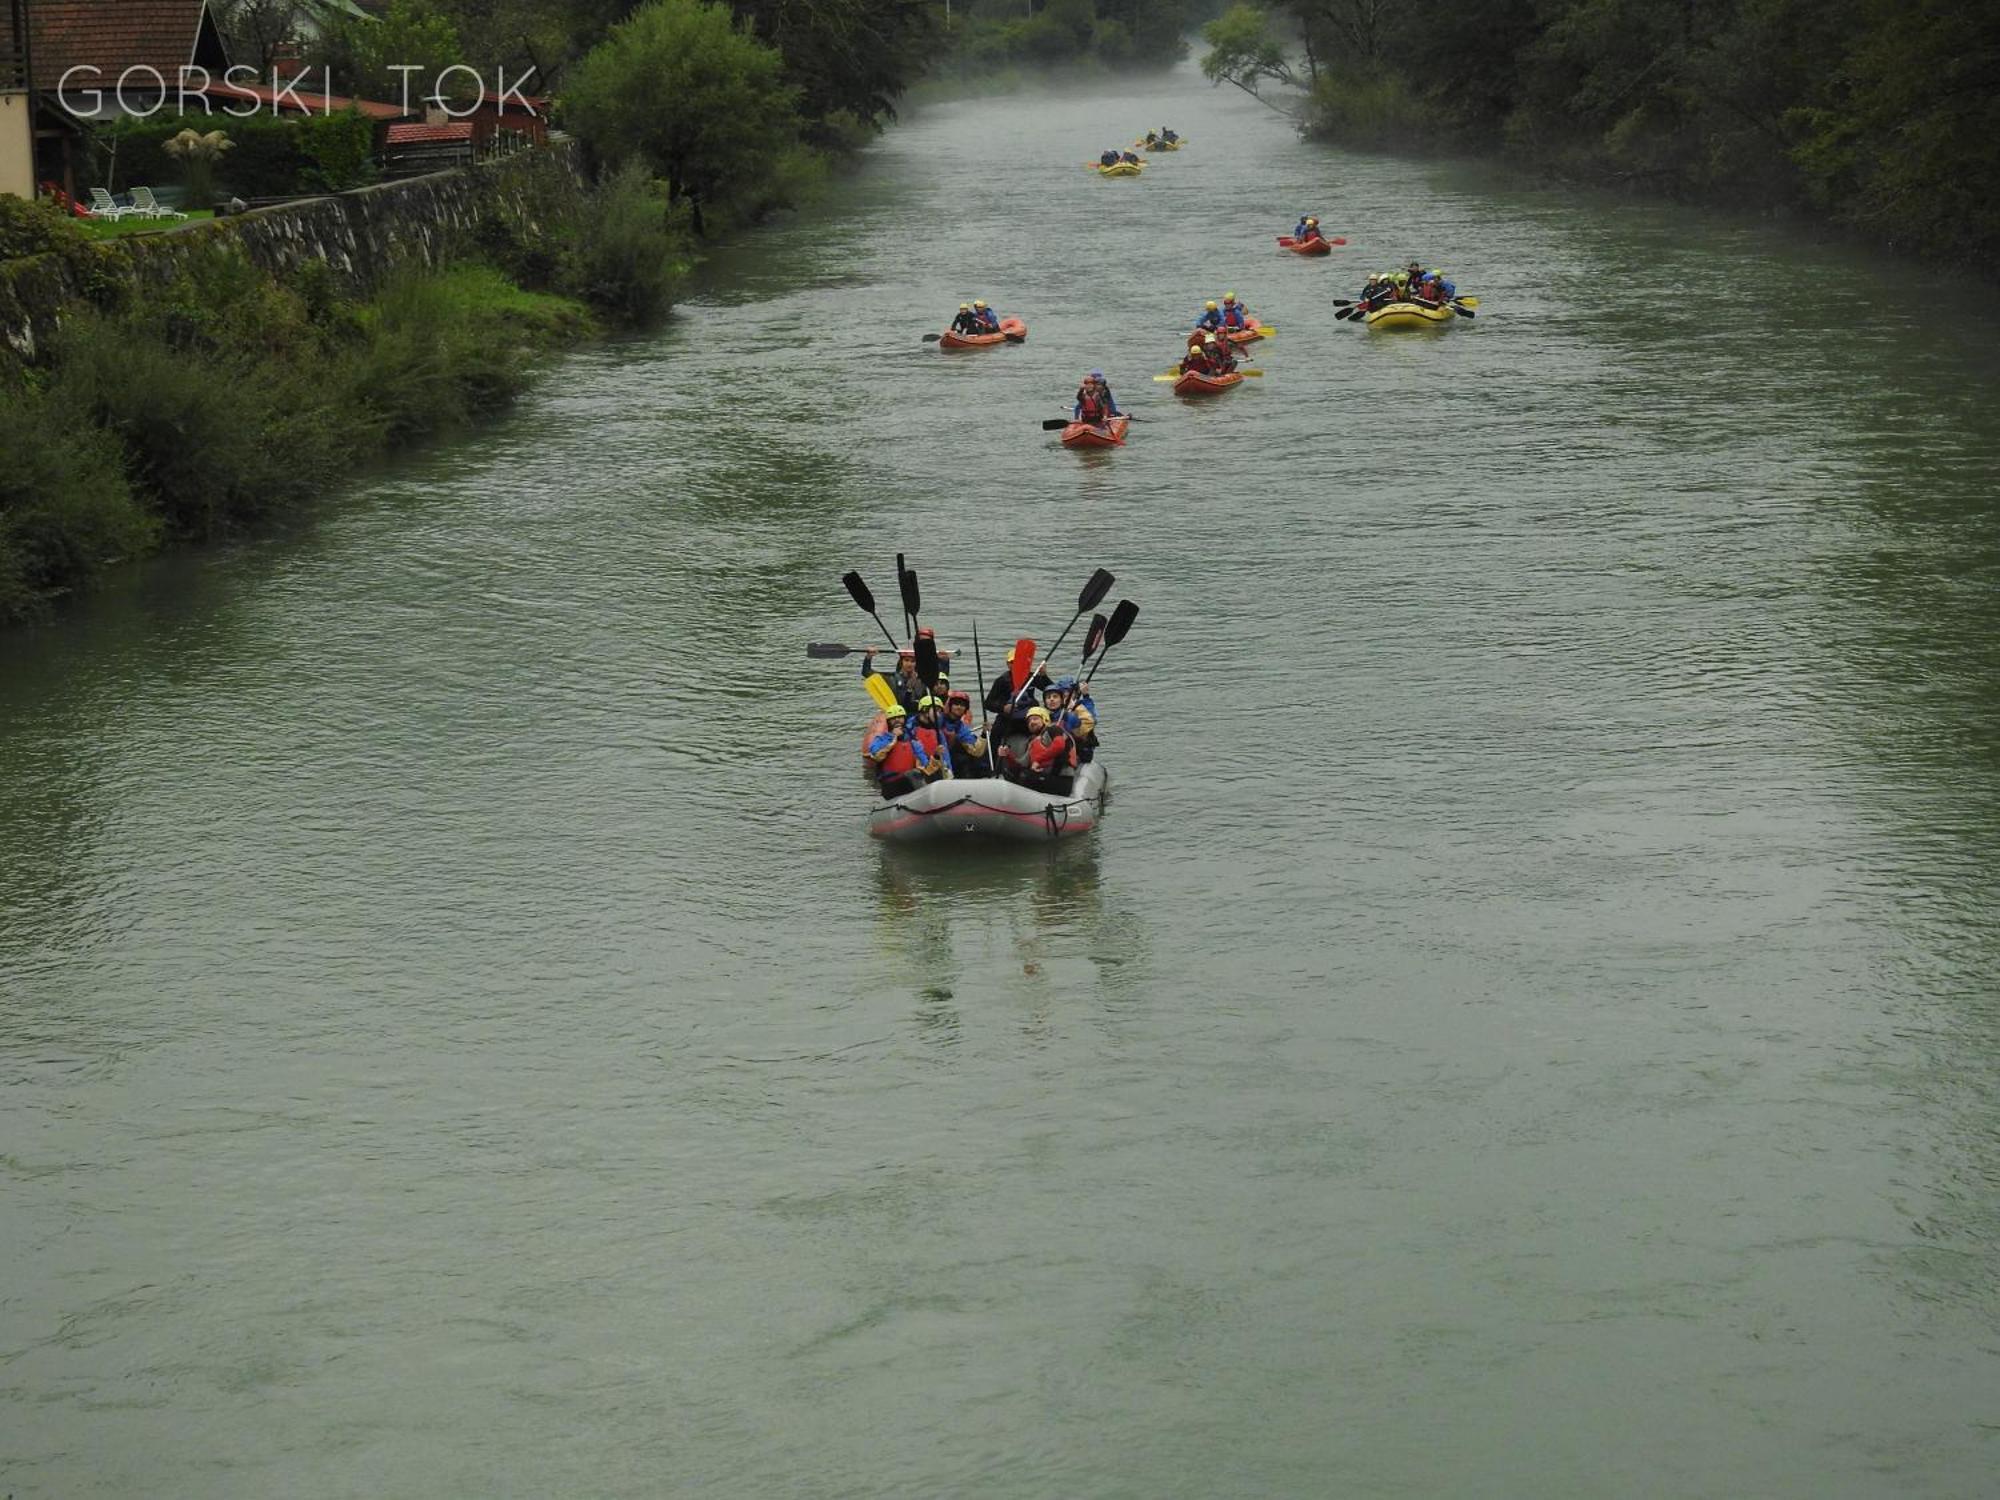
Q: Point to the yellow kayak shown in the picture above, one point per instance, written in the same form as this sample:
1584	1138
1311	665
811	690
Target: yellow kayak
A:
1409	315
1123	169
1157	145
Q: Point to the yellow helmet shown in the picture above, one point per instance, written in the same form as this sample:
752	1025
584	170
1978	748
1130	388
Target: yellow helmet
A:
965	307
1229	296
1038	714
1311	220
895	711
927	701
1211	306
979	304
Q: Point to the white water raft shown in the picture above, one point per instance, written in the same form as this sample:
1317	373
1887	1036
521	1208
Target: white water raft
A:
990	807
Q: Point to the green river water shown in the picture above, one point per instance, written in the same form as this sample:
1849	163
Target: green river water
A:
1527	1027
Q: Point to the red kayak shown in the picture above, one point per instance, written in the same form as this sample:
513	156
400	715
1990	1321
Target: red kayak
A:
1307	247
1008	326
1194	383
1249	333
1110	435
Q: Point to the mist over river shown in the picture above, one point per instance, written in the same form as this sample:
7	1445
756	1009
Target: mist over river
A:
1528	1025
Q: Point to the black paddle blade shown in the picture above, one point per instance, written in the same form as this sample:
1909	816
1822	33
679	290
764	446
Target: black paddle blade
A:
1055	424
1093	591
1094	637
932	338
828	650
927	661
1121	621
859	591
912	597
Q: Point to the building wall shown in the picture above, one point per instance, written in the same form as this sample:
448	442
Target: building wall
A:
17	146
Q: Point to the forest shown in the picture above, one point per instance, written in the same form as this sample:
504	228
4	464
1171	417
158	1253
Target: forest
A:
1882	117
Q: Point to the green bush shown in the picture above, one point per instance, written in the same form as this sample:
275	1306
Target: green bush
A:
34	226
65	507
269	157
630	248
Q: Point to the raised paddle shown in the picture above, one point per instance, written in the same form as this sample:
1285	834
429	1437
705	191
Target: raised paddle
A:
1093	638
927	673
879	689
839	650
979	668
861	596
913	599
1121	622
903	589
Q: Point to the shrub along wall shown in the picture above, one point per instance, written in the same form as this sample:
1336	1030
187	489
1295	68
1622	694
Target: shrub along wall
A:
267	157
362	236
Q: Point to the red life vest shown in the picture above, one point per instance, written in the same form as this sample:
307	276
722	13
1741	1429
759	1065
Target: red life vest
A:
1043	758
901	758
929	740
1093	408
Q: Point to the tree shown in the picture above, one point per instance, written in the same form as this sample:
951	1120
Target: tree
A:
1243	50
689	90
847	57
370	55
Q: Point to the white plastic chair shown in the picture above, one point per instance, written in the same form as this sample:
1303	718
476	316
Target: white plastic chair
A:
101	206
147	206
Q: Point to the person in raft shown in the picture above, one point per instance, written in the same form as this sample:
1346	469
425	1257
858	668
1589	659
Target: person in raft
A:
967	321
1234	313
1005	712
1071	709
1108	159
988	321
1211	317
1167	135
1094	401
909	687
1050	765
1308	230
961	736
1131	156
901	763
1221	355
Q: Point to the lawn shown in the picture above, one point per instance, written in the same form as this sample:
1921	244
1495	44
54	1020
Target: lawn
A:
111	229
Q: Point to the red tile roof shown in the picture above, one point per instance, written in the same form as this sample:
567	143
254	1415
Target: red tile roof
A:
299	100
407	135
113	35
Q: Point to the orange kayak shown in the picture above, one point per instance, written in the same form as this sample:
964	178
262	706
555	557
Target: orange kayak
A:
1083	435
1013	326
1248	334
1310	247
1194	383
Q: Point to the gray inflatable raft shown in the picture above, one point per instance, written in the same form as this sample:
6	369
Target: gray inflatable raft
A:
992	808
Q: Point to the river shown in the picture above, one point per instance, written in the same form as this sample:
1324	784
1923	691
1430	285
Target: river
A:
1526	1027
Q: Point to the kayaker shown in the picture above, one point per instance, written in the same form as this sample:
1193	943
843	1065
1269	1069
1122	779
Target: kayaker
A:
1094	401
929	732
1195	361
967	321
900	762
1108	159
1234	313
1308	230
988	323
1221	355
1211	316
1167	135
1130	156
1051	758
965	740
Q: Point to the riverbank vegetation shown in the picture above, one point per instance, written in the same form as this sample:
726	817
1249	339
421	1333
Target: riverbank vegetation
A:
1878	116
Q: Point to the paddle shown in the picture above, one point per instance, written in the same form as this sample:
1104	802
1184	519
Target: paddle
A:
979	669
1289	240
1093	638
861	596
1012	338
837	650
879	689
927	671
913	598
1057	424
1176	375
1121	622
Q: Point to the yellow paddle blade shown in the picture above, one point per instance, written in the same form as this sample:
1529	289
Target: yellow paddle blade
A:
1469	301
880	691
1253	374
1172	376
